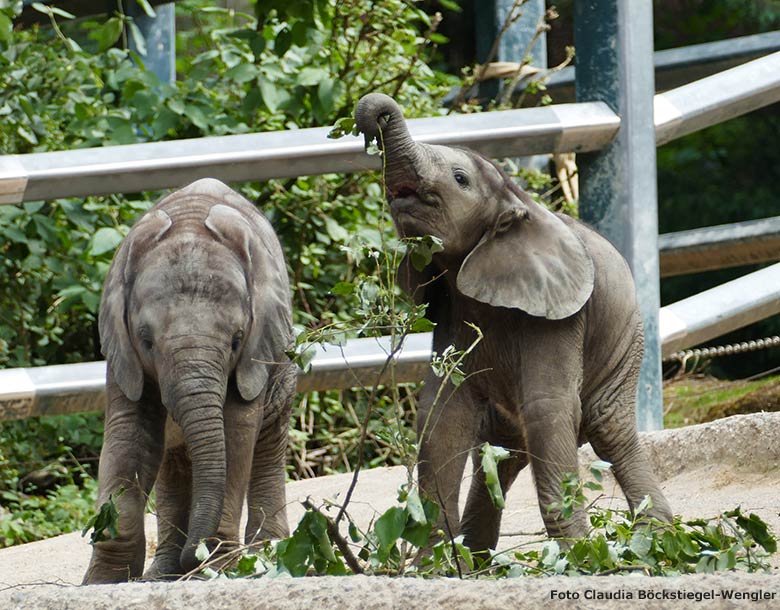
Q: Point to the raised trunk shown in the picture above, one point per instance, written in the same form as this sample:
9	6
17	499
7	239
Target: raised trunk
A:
195	402
379	118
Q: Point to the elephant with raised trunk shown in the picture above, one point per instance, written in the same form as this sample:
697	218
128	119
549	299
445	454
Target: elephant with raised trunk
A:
195	322
562	335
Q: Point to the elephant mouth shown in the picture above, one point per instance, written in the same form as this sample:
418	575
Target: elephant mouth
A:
408	217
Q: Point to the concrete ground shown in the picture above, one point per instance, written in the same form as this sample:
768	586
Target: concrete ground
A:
705	469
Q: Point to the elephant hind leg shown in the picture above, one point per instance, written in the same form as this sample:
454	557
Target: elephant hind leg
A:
173	496
611	430
481	519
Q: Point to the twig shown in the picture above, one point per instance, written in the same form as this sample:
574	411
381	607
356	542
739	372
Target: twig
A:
451	537
337	538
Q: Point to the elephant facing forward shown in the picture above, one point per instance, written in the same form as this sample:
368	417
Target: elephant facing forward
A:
562	335
195	321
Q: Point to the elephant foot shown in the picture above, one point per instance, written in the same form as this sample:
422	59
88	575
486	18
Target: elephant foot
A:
164	567
566	531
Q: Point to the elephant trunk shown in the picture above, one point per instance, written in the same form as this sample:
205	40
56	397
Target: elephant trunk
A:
195	401
379	118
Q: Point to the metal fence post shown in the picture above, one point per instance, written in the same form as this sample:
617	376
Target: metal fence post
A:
614	42
160	35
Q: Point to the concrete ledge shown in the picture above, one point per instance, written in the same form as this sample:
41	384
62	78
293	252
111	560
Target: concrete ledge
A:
705	470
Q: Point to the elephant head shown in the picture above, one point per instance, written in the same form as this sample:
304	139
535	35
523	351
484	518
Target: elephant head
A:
187	304
505	249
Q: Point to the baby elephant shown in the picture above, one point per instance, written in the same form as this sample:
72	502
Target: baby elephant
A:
562	344
194	324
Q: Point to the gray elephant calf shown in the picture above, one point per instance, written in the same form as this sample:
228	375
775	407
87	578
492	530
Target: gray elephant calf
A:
194	323
562	344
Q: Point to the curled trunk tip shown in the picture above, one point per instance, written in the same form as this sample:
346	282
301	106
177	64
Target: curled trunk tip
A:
374	112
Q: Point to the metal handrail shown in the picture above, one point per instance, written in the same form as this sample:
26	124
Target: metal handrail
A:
285	154
720	246
717	98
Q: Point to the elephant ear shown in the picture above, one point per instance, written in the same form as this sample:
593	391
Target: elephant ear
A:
532	261
115	341
270	329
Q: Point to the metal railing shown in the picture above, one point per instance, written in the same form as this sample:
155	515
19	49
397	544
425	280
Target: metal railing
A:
558	128
285	154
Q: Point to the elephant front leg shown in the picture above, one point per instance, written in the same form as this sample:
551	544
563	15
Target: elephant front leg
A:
446	432
242	420
129	460
173	495
551	426
267	500
481	518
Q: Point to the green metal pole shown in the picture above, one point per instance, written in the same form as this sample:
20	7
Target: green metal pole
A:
614	43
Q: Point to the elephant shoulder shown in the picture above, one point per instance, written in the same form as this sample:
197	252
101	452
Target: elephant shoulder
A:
614	283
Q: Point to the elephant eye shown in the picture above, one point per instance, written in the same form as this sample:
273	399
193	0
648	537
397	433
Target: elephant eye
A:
237	340
461	178
145	336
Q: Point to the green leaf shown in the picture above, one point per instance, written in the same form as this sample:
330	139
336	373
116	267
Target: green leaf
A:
283	41
491	456
202	551
147	8
139	40
342	127
422	325
243	72
422	249
52	10
417	534
335	230
415	506
105	240
107	34
757	528
343	288
6	28
451	5
311	76
105	520
390	526
354	534
273	96
644	505
27	135
597	468
641	543
318	528
328	92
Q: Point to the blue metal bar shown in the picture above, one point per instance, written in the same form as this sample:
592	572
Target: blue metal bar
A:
682	65
614	41
160	34
490	16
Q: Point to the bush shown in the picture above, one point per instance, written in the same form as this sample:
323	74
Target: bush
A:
286	67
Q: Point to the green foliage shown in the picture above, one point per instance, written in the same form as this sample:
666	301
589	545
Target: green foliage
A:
399	542
104	522
491	456
44	487
32	517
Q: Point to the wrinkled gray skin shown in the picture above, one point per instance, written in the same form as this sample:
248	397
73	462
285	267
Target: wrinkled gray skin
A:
562	346
194	324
